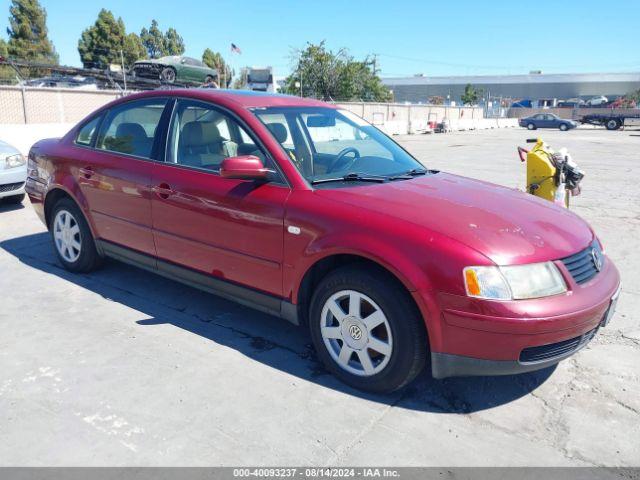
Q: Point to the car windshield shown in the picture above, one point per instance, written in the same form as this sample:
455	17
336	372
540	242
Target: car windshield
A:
329	145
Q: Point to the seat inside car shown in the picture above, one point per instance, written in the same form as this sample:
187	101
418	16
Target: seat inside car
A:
132	138
279	131
201	145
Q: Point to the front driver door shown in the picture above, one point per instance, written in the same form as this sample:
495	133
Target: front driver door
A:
227	229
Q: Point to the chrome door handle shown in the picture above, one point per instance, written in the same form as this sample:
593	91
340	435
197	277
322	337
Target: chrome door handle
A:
163	190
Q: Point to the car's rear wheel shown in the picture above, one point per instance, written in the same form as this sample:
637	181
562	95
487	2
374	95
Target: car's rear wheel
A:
168	75
15	199
531	126
366	330
72	239
563	127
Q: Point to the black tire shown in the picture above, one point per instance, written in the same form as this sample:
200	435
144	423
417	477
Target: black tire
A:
89	259
613	124
531	126
410	343
208	79
168	75
563	127
15	199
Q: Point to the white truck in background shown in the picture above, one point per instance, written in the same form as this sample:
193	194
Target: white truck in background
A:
260	79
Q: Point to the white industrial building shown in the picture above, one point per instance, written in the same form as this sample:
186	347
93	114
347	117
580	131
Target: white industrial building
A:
534	87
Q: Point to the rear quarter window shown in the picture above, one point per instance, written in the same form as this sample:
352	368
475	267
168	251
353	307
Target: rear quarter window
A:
88	131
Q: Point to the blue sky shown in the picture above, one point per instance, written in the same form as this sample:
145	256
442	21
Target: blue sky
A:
453	37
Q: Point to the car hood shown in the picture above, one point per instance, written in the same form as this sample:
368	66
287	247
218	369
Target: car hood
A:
506	225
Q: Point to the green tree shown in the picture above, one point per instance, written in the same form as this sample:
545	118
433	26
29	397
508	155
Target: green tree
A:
28	34
133	49
214	60
100	45
321	73
173	43
159	44
471	95
7	73
153	40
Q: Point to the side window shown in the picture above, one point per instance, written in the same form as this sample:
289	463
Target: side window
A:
85	135
131	128
202	136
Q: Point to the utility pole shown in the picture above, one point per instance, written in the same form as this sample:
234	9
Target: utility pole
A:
124	73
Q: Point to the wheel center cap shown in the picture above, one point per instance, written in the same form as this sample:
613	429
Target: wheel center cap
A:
354	333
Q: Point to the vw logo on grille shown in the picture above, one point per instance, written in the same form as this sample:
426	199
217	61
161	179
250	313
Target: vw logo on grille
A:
597	258
355	332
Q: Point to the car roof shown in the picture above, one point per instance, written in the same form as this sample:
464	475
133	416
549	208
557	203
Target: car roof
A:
242	98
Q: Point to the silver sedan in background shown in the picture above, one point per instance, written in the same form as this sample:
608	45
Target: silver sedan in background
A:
13	174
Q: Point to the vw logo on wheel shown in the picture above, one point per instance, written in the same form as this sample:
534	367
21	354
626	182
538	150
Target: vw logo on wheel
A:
355	332
597	259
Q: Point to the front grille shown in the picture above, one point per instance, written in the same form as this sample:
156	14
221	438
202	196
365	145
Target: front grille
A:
582	265
7	187
544	353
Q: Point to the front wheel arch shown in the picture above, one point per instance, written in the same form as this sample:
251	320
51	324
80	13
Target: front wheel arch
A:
322	267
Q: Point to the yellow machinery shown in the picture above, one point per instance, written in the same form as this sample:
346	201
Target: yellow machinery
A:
550	175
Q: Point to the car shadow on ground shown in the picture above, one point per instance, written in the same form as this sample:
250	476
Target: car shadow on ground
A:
262	337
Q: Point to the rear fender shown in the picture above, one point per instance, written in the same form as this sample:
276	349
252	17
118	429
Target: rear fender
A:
66	183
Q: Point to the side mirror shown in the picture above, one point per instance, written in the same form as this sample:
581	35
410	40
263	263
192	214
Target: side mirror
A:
245	167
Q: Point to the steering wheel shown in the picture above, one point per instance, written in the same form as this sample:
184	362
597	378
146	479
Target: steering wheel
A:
336	162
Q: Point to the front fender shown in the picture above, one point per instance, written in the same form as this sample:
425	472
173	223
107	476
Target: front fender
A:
396	260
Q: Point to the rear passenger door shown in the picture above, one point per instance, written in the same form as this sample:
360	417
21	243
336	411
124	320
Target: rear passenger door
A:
114	173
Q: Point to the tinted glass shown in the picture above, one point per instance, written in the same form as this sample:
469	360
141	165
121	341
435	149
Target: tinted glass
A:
85	135
131	128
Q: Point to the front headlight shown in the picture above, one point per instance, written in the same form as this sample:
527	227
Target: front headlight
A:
514	282
13	161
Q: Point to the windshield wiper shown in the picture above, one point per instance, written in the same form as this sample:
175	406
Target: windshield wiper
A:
414	172
350	177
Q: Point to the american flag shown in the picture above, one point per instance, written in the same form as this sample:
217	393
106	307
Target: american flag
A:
235	49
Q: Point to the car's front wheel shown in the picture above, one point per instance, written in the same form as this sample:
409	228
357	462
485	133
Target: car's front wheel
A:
367	330
531	126
563	127
72	238
168	75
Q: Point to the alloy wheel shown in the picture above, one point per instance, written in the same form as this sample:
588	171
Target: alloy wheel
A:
356	333
66	234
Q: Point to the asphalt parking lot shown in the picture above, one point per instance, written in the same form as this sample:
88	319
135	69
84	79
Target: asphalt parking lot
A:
122	367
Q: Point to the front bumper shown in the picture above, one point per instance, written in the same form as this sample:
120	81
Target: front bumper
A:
12	181
502	338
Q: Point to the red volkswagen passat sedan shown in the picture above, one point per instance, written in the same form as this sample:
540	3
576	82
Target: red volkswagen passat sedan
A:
305	211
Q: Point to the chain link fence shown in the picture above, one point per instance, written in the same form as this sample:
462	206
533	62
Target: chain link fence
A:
28	105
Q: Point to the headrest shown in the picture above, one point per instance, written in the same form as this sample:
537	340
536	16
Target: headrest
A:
198	134
134	130
279	131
